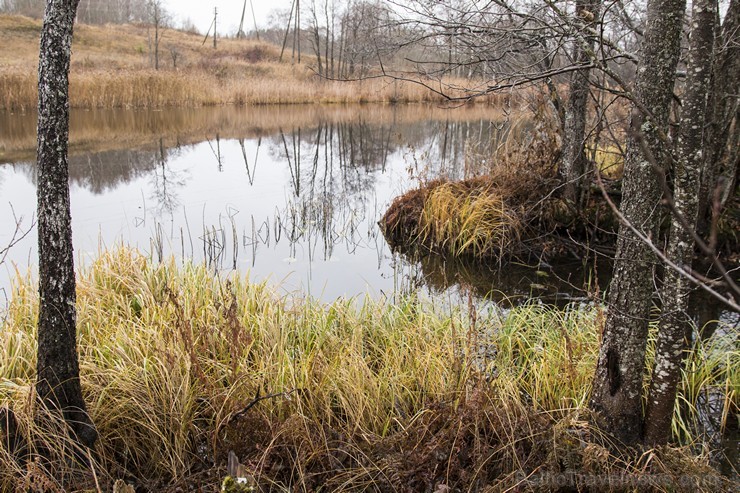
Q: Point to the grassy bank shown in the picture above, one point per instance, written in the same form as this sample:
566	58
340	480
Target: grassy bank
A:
112	67
180	367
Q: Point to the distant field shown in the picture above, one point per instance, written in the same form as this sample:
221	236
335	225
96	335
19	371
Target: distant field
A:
112	67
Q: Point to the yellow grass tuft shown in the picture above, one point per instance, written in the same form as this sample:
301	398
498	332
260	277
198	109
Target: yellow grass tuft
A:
468	220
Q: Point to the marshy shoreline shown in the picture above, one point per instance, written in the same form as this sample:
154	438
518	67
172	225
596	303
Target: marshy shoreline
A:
183	368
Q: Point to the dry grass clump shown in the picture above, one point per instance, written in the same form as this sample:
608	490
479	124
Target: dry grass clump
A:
179	367
493	214
609	160
18	90
477	217
468	217
143	88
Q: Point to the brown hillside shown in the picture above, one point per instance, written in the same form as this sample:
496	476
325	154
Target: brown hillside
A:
113	67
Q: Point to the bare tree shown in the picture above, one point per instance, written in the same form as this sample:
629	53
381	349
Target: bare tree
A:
687	176
58	372
574	161
31	8
176	55
722	136
88	11
111	11
364	28
158	17
316	35
617	385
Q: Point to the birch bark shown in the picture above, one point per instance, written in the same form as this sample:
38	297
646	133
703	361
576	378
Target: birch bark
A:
58	372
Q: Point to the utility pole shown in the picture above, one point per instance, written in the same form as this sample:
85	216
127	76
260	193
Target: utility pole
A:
298	26
215	15
287	30
297	32
240	33
254	18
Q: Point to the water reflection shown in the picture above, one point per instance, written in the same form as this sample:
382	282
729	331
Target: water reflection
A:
559	283
285	192
103	130
165	181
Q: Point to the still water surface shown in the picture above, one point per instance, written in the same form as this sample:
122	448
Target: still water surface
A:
287	194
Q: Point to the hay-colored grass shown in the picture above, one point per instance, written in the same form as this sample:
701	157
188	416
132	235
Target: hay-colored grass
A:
468	220
113	67
609	161
372	396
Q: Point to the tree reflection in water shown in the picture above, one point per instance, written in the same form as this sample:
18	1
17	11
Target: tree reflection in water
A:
264	188
277	190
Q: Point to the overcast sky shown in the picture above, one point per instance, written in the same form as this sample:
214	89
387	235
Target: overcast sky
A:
229	12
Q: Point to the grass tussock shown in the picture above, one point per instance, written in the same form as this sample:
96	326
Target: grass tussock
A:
508	206
489	215
469	217
113	66
180	367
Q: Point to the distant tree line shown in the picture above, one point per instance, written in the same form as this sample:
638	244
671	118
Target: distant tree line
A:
89	11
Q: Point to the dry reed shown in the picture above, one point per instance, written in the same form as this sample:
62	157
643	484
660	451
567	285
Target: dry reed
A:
112	68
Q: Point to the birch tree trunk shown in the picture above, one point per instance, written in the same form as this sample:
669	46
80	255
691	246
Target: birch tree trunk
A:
58	372
617	387
687	175
574	158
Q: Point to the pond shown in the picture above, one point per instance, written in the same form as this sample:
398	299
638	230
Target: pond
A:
288	194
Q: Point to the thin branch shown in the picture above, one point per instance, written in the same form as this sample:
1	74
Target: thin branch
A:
685	273
18	234
257	399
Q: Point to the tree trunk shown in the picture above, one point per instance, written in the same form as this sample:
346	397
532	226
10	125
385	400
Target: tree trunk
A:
328	37
317	41
574	164
617	388
723	123
58	380
675	292
156	40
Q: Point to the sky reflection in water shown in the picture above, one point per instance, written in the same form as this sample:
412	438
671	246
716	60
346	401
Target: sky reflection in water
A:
291	194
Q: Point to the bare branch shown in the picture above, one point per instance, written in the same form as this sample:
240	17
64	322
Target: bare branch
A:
18	234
